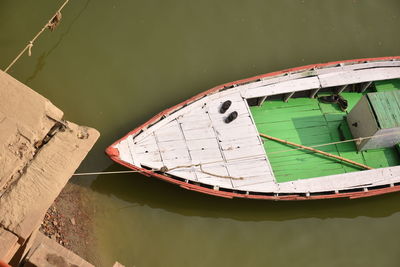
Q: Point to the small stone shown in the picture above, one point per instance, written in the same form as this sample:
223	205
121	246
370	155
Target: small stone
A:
72	221
83	134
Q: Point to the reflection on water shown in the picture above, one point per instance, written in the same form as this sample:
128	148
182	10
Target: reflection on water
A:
114	64
139	190
191	229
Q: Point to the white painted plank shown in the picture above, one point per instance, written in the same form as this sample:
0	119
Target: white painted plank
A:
339	181
240	142
149	144
172	145
253	180
160	124
206	155
275	80
196	114
152	160
358	76
376	64
169	132
357	66
243	152
149	158
185	173
201	144
125	152
176	158
198	144
176	154
217	169
202	133
215	181
248	168
266	187
234	132
228	94
196	124
283	87
146	141
313	72
394	177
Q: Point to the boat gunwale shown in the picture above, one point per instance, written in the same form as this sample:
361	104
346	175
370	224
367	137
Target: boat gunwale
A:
111	150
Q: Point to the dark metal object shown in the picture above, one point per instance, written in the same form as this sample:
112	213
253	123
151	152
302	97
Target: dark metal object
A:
231	117
225	106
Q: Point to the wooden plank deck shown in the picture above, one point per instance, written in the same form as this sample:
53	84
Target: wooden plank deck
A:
300	84
322	78
200	136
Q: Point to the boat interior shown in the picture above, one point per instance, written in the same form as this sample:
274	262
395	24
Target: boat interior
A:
194	144
309	121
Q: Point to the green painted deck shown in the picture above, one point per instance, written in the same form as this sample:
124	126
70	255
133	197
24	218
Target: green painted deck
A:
306	121
386	108
387	85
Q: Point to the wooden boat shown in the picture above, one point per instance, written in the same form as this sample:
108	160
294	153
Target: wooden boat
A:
195	146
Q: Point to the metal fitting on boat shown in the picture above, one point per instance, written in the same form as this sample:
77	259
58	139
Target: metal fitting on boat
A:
163	169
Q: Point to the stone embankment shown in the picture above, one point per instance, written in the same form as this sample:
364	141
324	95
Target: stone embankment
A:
39	152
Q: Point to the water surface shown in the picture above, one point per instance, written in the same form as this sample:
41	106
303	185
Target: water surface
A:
113	64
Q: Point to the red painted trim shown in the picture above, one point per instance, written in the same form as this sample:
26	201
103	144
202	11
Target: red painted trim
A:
113	153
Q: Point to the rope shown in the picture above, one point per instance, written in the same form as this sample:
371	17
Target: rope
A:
220	176
162	169
101	173
51	24
317	151
165	169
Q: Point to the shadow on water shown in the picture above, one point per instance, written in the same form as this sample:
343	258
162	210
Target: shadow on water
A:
140	190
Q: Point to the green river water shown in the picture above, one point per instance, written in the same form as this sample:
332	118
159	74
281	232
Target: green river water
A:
114	64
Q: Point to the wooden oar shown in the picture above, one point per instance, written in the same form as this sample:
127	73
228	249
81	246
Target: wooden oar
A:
317	151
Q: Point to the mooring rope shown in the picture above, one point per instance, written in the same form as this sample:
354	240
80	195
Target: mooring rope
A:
200	165
51	24
101	173
162	169
165	169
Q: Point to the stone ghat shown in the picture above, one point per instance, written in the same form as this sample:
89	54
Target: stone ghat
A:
39	152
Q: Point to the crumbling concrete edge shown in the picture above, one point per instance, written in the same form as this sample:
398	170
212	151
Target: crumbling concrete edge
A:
25	202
